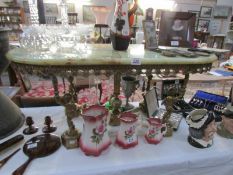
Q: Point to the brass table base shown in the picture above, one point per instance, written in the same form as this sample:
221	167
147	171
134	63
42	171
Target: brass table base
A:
70	142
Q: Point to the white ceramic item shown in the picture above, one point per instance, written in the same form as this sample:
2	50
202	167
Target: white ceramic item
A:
127	137
155	131
94	138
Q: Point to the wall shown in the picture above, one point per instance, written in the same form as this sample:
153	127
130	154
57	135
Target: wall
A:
225	23
182	5
225	2
195	5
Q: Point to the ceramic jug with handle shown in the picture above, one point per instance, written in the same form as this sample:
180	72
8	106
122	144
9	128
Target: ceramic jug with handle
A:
126	136
94	138
155	131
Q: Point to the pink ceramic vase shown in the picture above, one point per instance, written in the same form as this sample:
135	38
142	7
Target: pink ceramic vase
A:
94	138
155	131
126	136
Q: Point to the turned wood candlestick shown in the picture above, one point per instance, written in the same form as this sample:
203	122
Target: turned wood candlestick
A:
30	129
48	128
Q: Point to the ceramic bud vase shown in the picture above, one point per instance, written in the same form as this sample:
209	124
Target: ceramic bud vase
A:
126	136
156	129
94	138
120	32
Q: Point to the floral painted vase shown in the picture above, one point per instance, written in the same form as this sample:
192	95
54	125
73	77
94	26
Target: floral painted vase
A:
155	131
94	138
120	32
126	136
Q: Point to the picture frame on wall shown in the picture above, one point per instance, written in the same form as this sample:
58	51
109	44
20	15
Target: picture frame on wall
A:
50	9
203	25
205	12
88	15
150	34
70	7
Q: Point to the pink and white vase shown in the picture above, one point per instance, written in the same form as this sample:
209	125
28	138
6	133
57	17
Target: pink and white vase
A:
94	138
126	136
156	129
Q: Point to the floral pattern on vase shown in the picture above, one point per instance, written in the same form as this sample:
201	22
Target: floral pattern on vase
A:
98	132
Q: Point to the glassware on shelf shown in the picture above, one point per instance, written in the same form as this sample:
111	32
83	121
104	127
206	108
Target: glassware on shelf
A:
66	39
34	18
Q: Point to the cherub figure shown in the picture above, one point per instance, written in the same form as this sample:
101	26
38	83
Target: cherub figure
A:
169	102
71	111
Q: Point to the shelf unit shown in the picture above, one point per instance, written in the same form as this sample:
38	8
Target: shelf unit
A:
12	18
229	37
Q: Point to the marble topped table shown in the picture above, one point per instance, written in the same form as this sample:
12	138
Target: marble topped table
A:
102	55
102	59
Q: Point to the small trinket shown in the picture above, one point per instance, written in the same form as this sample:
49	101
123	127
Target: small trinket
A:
30	129
202	128
48	128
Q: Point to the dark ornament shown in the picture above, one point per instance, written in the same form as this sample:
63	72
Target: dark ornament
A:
48	128
30	129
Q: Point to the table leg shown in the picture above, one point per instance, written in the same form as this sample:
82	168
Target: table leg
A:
183	88
70	138
115	101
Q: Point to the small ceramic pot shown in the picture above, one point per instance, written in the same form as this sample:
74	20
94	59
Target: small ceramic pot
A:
155	131
94	138
126	136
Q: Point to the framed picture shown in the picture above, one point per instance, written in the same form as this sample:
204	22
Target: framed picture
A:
203	25
50	9
88	15
70	8
221	12
206	12
150	34
151	102
26	7
176	29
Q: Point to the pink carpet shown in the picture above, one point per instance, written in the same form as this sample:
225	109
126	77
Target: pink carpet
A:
88	95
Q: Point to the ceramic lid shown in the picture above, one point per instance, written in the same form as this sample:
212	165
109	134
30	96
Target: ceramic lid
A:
94	113
128	117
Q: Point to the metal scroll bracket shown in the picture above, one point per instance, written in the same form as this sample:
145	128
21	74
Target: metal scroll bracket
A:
115	101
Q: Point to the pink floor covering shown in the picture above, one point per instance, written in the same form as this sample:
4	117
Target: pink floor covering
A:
88	95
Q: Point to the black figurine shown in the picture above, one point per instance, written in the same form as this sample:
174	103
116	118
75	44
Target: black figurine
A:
30	129
48	128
